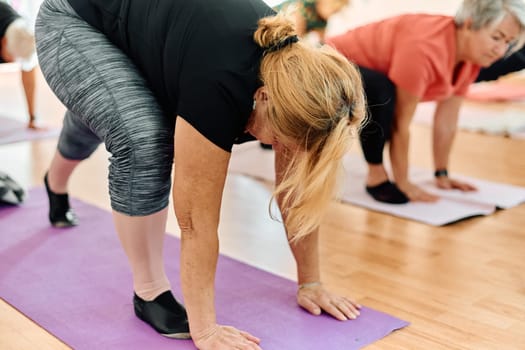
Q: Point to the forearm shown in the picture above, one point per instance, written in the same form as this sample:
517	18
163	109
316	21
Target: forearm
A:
199	252
444	130
197	192
306	254
306	249
443	139
399	146
406	104
28	82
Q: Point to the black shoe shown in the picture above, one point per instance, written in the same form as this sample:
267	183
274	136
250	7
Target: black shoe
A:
164	314
10	192
387	192
60	213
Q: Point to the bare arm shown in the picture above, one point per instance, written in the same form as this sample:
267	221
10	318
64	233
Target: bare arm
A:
28	82
311	294
444	129
306	251
406	104
444	132
200	173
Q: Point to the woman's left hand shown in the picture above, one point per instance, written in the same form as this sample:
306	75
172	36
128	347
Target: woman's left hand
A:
446	183
316	298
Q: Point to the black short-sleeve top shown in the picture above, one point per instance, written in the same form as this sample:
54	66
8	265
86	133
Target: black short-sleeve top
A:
7	16
198	56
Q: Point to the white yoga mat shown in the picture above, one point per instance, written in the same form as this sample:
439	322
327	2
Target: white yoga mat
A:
503	121
500	91
251	160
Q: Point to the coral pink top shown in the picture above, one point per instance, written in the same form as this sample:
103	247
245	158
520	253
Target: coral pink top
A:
416	51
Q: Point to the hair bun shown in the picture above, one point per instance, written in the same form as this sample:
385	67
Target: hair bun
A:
274	30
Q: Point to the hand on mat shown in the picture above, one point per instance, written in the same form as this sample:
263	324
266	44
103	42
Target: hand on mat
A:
316	298
33	125
416	193
225	338
447	183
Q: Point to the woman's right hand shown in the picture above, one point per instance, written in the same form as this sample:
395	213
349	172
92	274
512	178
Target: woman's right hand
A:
416	193
225	338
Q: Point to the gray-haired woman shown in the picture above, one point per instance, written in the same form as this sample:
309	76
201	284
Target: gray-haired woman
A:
424	57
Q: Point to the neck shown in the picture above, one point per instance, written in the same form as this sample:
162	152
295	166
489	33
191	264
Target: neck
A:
460	45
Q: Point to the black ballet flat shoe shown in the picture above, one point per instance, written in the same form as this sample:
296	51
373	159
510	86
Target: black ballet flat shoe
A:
164	314
387	192
60	213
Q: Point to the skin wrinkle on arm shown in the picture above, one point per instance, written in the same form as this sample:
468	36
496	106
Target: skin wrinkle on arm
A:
197	193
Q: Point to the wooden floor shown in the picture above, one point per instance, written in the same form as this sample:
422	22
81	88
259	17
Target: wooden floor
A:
461	286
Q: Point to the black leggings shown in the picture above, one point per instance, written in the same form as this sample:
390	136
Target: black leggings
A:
513	63
381	97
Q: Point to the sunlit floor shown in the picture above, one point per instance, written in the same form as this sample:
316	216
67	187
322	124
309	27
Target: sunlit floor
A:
461	286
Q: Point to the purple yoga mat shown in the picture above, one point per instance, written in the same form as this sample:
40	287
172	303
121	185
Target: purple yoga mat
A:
76	284
12	130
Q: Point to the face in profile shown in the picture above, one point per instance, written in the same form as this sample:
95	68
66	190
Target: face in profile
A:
491	43
259	127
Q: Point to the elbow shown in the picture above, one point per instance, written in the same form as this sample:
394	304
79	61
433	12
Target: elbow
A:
186	221
187	229
196	227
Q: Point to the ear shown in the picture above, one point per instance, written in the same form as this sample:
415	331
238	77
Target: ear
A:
467	24
261	94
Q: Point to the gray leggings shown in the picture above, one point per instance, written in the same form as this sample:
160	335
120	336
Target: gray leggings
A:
107	101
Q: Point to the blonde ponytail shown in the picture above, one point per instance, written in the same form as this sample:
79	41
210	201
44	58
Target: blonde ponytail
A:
316	102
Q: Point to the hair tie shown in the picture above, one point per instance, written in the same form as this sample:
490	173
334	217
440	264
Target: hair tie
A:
281	44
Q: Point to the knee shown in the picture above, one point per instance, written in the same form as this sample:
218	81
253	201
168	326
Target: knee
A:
140	176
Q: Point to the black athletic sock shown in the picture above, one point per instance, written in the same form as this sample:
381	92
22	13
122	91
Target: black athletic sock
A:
387	192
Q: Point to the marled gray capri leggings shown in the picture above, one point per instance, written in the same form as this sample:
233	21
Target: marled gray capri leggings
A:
107	101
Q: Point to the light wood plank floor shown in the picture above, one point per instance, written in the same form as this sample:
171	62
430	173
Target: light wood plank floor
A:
461	286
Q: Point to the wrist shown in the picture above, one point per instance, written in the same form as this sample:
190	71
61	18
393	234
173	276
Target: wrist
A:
309	285
443	172
205	333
